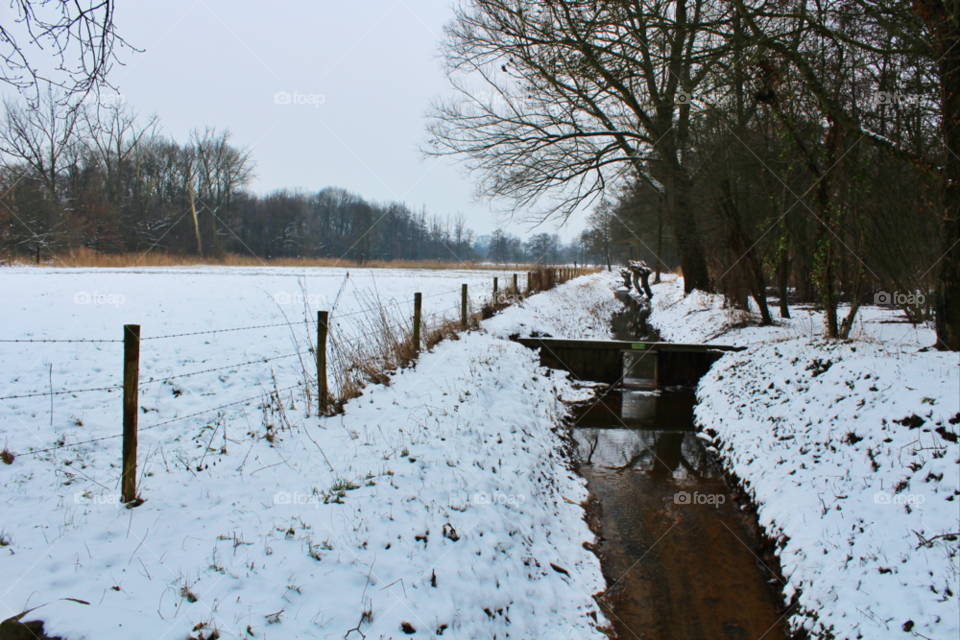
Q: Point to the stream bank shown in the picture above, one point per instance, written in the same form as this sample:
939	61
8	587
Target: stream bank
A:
677	545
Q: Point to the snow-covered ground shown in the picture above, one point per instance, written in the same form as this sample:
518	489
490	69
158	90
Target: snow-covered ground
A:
94	304
440	504
850	452
576	312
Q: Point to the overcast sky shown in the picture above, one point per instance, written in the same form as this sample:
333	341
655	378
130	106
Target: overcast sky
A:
364	72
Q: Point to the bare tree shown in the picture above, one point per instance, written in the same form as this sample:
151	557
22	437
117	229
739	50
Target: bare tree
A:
39	136
576	93
876	33
80	35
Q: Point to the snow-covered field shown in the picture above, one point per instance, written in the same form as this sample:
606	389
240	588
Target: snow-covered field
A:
94	304
437	505
850	452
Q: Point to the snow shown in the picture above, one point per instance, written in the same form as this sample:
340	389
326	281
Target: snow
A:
437	504
96	303
823	436
579	309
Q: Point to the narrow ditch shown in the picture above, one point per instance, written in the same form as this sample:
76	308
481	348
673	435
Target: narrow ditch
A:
677	545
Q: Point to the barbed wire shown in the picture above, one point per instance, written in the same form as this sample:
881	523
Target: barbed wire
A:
75	444
230	366
153	381
365	310
390	304
60	393
77	340
200	333
223	406
164	422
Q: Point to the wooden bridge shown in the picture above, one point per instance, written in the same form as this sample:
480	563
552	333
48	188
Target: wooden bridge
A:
667	364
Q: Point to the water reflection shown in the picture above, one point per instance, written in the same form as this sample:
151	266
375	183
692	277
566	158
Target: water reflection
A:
677	567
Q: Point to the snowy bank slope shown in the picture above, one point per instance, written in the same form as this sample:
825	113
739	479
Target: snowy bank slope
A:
440	504
578	309
850	452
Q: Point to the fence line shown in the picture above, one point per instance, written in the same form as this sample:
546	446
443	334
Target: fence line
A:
159	424
201	333
231	366
77	340
389	339
60	393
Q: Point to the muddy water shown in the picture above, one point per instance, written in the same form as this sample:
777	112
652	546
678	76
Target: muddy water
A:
677	556
676	553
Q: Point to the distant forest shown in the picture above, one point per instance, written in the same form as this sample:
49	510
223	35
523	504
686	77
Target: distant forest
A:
95	175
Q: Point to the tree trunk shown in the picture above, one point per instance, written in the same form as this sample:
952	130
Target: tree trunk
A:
783	278
947	296
656	279
743	247
693	262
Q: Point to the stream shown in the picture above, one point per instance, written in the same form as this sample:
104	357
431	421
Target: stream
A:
679	558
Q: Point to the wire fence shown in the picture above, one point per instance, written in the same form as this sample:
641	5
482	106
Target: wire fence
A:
377	340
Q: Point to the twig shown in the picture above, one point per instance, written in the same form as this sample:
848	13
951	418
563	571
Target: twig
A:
138	548
928	542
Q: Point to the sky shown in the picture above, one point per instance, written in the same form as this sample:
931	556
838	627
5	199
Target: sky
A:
324	92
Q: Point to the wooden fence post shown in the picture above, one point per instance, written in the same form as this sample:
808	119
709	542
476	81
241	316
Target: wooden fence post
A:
516	291
131	393
417	301
494	290
323	317
463	307
529	282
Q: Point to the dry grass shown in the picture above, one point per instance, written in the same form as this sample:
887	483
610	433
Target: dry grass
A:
381	343
85	258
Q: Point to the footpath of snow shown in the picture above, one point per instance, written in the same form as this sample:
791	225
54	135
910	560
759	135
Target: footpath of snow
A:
440	504
850	452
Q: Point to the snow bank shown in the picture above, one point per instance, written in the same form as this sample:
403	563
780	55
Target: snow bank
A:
578	309
850	452
438	505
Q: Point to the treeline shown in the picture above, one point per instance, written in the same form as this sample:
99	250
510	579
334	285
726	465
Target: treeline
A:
95	175
812	148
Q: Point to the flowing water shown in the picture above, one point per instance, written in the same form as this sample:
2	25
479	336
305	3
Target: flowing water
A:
678	556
